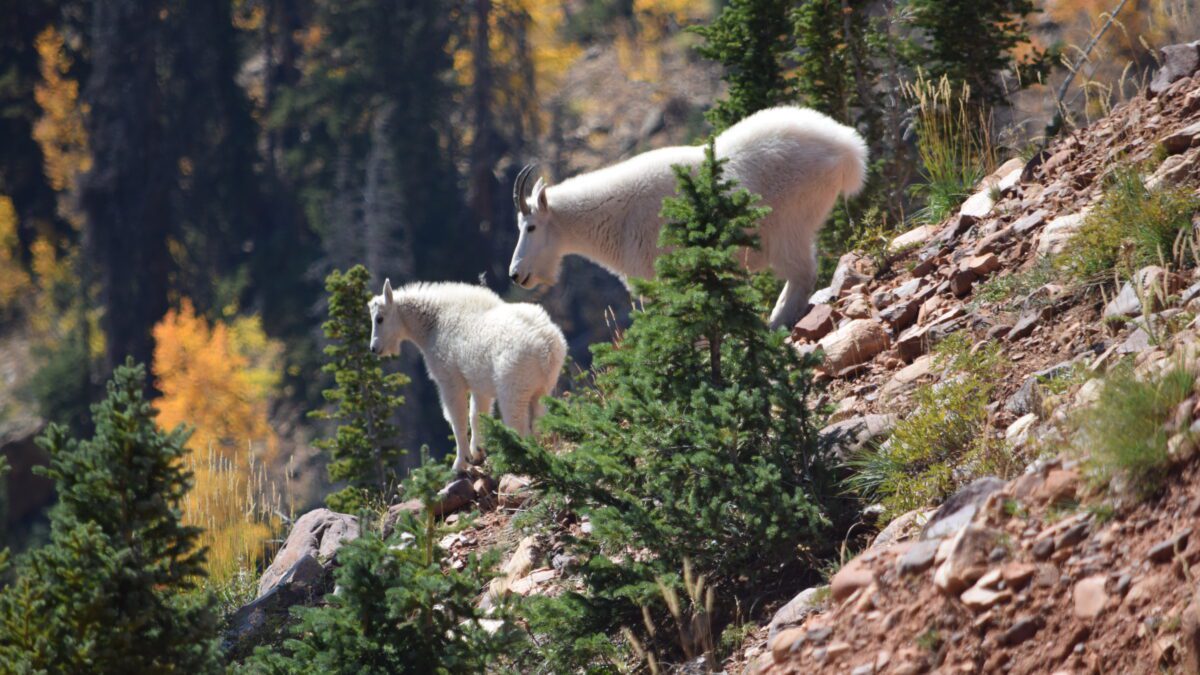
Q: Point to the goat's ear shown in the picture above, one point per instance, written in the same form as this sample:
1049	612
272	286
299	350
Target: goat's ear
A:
387	291
539	195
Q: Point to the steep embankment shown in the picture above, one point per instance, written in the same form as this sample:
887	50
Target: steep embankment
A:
1049	572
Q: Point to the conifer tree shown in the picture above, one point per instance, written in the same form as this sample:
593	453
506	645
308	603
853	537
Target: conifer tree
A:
973	42
696	442
364	450
114	590
397	611
751	38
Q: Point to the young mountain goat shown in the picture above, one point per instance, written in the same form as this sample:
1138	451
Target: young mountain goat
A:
796	159
474	344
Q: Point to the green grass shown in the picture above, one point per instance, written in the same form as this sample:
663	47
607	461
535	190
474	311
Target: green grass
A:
1131	227
1124	431
944	442
930	640
1009	289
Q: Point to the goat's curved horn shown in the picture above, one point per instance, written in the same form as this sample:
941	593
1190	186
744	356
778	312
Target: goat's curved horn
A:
519	192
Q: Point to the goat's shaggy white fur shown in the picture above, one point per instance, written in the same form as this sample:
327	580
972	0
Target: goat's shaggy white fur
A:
798	160
475	345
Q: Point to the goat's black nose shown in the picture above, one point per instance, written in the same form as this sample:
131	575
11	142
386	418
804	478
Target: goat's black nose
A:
513	276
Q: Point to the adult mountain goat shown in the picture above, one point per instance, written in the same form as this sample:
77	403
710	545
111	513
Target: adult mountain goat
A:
475	345
798	160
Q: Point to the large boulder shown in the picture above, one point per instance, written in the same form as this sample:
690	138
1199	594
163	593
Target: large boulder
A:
318	534
843	440
1178	61
854	343
807	602
304	583
959	510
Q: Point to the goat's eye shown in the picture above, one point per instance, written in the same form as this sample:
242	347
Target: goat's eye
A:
530	228
379	319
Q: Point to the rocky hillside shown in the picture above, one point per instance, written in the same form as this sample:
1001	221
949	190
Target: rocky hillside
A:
1051	571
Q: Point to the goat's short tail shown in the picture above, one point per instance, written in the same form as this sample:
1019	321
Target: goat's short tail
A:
854	164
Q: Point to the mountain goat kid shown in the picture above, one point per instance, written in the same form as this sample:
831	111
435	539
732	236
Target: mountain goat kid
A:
796	159
475	345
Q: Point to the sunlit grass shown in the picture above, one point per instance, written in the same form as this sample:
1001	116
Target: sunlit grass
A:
242	513
954	144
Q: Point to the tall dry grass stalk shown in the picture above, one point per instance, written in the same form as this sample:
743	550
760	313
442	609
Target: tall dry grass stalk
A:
954	143
242	513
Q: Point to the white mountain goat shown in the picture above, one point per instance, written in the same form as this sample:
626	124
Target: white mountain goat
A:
475	345
796	159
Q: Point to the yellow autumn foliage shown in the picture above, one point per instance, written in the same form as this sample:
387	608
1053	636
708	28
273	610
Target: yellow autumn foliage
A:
59	131
14	280
217	378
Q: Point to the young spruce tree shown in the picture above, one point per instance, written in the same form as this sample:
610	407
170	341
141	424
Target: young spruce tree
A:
397	611
696	442
114	590
364	451
974	42
751	38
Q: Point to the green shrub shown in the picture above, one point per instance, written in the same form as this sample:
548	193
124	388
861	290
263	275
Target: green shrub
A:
113	591
1123	433
696	441
364	451
944	442
1131	226
397	609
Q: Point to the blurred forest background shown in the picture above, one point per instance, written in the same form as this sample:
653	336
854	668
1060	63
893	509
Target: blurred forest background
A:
177	179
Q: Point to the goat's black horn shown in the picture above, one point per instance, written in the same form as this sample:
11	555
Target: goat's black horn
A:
519	193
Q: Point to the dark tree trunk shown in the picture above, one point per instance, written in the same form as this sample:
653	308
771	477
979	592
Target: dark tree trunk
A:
125	195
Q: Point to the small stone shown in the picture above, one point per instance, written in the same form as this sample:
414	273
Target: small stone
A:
1075	534
1043	548
815	325
781	645
799	608
981	265
836	649
1021	630
1017	433
962	281
912	239
1024	326
980	599
1058	487
1165	551
853	576
1027	223
513	490
1090	597
918	558
1017	574
1058	233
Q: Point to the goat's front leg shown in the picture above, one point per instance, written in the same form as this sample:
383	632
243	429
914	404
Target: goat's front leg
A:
479	404
454	407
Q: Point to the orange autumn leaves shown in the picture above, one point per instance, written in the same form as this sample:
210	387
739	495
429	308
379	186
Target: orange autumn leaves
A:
208	381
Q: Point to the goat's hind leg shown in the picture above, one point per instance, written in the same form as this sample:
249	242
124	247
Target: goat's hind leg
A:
514	410
800	273
454	407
